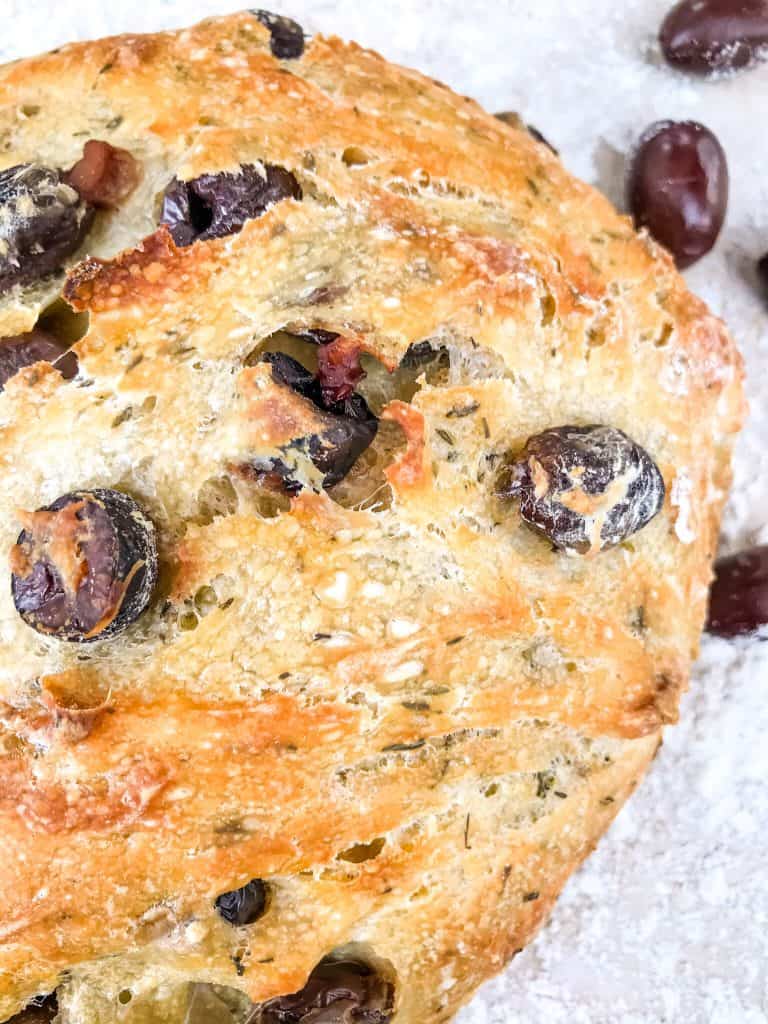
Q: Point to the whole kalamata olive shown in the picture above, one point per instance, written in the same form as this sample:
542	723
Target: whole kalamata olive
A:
710	36
36	346
584	488
678	188
344	991
738	597
244	905
215	205
42	221
84	567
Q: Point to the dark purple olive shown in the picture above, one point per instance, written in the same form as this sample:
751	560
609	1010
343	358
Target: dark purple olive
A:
336	992
215	205
762	273
42	221
584	488
678	188
36	346
351	430
287	36
84	567
345	429
738	597
289	371
708	37
244	905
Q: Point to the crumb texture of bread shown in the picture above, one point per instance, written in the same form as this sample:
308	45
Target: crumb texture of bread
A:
391	701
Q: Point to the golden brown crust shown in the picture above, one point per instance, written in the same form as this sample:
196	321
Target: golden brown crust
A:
428	672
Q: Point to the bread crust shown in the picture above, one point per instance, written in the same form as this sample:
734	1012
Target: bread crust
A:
429	672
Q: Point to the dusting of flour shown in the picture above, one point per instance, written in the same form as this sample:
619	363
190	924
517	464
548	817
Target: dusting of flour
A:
668	921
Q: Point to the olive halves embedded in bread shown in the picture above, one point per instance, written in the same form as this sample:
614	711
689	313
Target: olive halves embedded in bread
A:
286	35
215	205
36	346
43	220
345	429
84	567
244	905
338	991
584	488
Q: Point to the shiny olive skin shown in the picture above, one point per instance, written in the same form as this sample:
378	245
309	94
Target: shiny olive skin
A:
738	596
678	188
708	37
337	992
244	905
215	205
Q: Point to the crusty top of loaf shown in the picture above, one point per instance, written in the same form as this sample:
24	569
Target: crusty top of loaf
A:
398	706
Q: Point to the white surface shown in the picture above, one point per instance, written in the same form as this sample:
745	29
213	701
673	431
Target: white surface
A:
668	921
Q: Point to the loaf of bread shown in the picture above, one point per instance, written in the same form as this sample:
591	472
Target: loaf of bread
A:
362	473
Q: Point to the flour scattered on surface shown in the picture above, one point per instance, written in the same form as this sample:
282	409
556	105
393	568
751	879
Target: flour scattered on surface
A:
682	489
668	922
